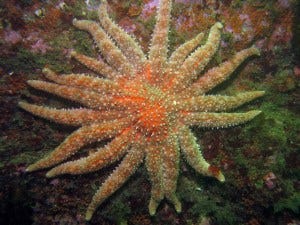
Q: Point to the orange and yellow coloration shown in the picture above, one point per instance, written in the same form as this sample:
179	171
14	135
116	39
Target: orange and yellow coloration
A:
144	103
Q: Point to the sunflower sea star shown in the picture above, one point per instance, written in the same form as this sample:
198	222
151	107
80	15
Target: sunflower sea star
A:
144	103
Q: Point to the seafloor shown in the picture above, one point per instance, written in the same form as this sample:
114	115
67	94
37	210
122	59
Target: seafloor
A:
260	159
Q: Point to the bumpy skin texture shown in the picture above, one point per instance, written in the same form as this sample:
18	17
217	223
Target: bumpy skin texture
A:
144	103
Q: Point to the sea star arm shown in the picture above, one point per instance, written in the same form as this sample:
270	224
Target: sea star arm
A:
127	44
192	153
110	51
86	97
216	103
170	152
79	138
154	167
112	152
180	54
199	58
218	119
73	117
159	43
80	80
96	65
217	75
127	166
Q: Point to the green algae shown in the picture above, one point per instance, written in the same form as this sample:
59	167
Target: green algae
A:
26	61
79	10
23	61
84	43
118	210
276	124
205	204
27	158
291	203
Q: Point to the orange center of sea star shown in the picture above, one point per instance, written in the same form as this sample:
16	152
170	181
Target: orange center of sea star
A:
152	120
150	104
